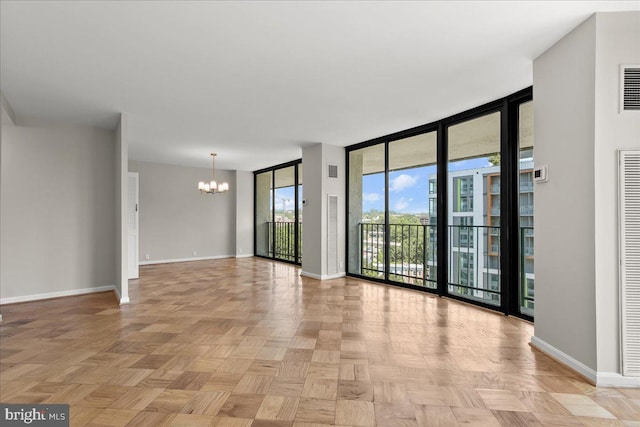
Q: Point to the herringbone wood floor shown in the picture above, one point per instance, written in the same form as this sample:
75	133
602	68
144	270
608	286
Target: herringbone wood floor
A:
250	343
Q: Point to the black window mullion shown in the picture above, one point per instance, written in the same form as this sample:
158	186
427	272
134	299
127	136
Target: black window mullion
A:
273	213
255	213
517	265
508	210
347	253
387	227
296	249
442	221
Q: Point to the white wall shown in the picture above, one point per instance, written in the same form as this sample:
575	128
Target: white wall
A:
7	118
244	213
578	130
120	211
564	97
317	186
312	236
57	221
175	219
617	42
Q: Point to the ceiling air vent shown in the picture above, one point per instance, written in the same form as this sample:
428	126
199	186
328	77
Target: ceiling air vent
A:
630	79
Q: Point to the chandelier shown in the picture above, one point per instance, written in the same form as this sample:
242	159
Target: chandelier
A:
212	186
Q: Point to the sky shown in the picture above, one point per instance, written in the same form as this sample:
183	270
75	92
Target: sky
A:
285	198
408	188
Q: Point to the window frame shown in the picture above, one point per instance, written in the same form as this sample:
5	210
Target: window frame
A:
509	197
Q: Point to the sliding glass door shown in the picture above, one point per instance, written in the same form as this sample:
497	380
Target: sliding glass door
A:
412	210
473	212
278	213
392	211
283	227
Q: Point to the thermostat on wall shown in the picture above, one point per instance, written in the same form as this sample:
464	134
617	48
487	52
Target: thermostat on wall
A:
540	174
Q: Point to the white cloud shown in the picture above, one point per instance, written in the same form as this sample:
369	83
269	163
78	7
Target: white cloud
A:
402	204
402	182
371	197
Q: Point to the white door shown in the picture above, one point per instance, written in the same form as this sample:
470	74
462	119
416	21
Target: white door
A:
132	219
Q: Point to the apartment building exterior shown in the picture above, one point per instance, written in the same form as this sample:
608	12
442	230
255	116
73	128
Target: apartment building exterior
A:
474	232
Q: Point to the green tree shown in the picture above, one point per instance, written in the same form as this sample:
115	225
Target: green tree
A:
408	243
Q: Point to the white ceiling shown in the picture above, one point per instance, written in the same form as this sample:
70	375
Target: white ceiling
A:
257	81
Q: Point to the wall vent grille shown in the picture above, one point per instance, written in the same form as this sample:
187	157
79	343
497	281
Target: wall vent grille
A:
630	80
630	260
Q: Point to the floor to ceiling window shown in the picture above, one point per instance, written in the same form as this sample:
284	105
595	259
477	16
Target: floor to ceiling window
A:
412	224
367	212
393	210
526	187
278	213
300	214
283	227
433	207
474	209
263	212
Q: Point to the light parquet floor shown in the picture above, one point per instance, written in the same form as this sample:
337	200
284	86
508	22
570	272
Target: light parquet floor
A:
249	342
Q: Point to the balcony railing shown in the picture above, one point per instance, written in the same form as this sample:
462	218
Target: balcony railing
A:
412	252
526	271
474	259
469	265
281	238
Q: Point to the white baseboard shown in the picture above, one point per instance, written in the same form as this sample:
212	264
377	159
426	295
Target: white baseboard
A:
612	379
244	255
323	276
119	297
564	358
600	379
169	261
71	292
